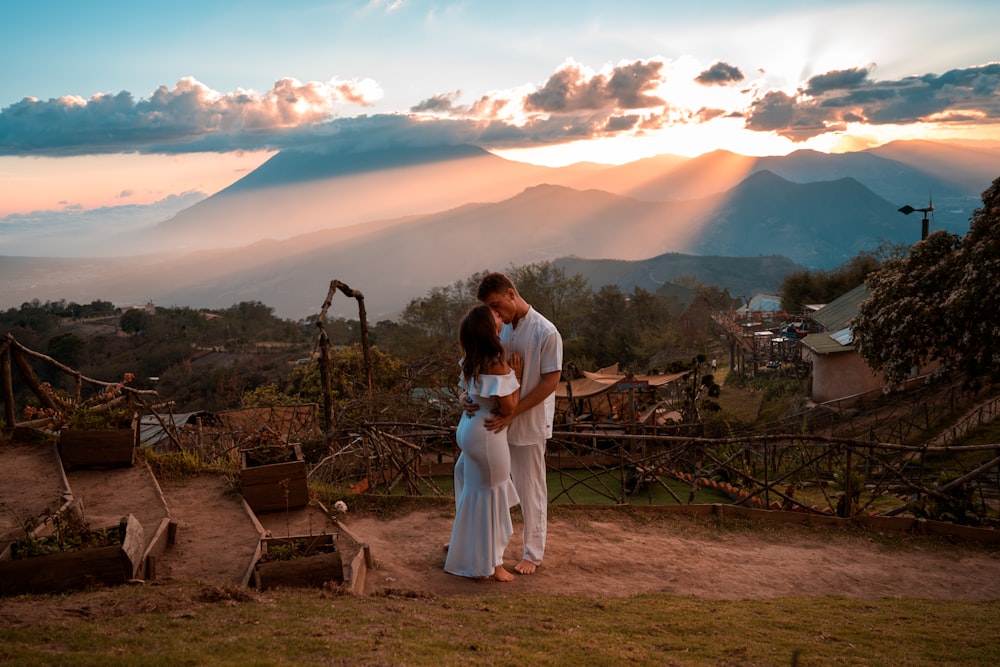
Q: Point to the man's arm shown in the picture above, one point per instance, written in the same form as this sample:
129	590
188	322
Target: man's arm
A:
547	386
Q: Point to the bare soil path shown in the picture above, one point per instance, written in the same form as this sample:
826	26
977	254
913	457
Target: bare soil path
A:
610	552
600	552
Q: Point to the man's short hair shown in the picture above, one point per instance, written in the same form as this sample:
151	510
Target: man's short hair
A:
494	283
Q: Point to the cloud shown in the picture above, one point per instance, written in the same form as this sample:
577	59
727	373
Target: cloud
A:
573	103
624	87
827	102
720	74
438	103
190	111
836	80
385	6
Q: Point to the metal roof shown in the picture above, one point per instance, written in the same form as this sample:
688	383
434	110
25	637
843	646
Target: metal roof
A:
838	314
825	343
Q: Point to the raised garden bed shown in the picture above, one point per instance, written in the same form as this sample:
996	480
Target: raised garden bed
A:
302	561
110	557
87	448
280	485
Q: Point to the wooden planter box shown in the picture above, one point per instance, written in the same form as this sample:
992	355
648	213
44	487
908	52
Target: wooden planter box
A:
322	563
85	448
274	486
110	565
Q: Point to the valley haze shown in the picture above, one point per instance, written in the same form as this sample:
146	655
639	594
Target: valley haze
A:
398	221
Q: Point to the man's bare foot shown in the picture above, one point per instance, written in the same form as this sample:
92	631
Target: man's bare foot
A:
525	567
501	574
447	545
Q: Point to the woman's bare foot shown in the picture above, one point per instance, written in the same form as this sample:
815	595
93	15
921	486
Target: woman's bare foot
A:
525	567
501	574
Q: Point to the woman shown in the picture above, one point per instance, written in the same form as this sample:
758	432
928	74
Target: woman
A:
484	492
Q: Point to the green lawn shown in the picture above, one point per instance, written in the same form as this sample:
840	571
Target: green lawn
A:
207	626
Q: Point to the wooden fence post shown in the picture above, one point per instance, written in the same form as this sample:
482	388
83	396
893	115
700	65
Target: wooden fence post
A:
8	386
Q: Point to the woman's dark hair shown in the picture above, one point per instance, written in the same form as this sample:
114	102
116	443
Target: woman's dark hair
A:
481	347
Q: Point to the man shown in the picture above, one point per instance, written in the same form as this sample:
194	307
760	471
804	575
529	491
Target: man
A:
528	333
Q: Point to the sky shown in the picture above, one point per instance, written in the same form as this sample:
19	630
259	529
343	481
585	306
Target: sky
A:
125	111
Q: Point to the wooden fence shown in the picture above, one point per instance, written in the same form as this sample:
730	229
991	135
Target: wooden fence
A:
813	474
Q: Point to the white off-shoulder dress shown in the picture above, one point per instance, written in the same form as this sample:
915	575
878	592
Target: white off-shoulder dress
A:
484	491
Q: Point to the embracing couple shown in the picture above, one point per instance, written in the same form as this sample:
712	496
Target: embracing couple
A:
510	367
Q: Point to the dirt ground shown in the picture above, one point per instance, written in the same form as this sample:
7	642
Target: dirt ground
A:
589	552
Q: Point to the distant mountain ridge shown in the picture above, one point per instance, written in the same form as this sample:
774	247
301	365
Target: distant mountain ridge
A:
297	166
740	275
302	191
393	262
393	223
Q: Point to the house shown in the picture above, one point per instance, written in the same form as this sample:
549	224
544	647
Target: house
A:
696	319
838	370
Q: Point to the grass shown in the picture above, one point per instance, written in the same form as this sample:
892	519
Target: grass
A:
192	625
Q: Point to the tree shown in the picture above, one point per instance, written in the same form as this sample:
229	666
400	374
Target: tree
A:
939	304
804	287
437	315
349	379
564	300
66	348
974	303
133	321
607	337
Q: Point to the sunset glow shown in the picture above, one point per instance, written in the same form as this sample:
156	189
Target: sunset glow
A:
138	121
93	181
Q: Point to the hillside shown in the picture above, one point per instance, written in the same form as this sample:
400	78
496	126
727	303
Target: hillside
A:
396	260
740	275
396	222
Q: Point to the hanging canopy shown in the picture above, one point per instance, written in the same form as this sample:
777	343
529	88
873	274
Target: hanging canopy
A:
611	379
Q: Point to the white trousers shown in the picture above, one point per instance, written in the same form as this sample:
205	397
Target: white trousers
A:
527	469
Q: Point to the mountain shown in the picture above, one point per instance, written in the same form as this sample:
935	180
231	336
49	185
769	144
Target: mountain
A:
397	221
820	225
740	275
967	167
394	261
302	191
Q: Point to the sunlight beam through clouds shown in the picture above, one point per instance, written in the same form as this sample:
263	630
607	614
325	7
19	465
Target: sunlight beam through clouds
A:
549	84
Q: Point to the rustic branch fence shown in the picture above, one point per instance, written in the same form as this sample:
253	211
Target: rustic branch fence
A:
798	464
813	474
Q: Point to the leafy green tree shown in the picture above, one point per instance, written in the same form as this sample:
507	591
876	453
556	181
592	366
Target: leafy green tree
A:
410	343
348	379
650	317
804	287
939	304
606	336
975	300
98	308
437	315
132	321
66	348
564	300
265	396
31	315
